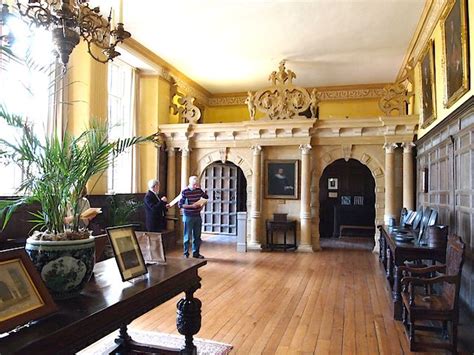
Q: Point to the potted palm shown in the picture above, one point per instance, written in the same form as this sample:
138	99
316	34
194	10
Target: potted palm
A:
57	168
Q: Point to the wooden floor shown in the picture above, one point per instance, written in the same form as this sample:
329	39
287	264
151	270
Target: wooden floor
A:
330	302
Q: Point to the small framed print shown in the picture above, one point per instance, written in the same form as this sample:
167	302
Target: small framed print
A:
127	251
332	184
346	200
23	295
332	194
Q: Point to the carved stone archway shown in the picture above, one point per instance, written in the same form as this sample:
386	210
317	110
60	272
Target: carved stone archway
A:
375	168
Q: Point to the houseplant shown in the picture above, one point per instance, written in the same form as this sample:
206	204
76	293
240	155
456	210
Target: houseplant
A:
57	168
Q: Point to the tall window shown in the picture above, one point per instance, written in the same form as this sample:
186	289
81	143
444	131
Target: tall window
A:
121	124
27	88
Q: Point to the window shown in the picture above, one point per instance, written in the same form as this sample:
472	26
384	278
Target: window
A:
121	124
26	89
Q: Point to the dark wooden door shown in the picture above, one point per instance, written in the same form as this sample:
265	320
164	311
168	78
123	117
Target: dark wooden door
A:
222	183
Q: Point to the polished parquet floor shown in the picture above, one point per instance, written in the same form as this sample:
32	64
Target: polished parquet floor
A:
330	302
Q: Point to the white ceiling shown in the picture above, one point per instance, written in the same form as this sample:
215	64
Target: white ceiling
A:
232	46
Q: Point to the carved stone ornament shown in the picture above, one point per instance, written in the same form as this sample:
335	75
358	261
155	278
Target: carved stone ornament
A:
346	151
397	96
223	154
186	110
282	100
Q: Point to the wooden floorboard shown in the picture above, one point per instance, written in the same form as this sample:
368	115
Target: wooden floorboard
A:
330	302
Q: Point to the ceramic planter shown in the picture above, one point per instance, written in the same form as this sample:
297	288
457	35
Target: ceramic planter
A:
64	266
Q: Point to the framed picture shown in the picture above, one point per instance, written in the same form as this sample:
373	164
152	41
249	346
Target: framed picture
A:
151	245
127	251
428	85
281	177
346	200
455	52
23	295
332	184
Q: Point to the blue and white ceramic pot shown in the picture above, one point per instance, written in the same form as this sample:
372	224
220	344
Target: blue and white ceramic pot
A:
65	266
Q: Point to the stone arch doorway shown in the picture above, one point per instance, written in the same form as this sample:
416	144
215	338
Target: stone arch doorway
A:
346	200
226	185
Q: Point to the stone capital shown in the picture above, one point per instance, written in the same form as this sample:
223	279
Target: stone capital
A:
408	147
185	150
390	147
257	149
305	148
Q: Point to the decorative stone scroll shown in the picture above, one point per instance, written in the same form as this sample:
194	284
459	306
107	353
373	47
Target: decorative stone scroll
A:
397	96
282	100
185	109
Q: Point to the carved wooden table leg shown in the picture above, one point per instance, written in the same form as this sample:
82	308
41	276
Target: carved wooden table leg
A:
396	295
188	320
123	341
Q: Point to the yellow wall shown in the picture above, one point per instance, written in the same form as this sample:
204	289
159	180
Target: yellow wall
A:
87	100
327	109
441	111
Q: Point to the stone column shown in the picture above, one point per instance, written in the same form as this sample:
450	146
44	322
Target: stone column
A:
389	181
171	186
408	185
305	209
256	202
184	167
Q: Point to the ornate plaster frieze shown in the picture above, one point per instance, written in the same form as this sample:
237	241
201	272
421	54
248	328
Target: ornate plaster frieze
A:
322	95
431	21
397	96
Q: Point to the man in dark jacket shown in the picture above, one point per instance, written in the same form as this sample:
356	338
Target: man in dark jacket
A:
155	208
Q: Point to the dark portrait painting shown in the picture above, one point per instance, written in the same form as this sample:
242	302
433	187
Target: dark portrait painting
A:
281	179
455	52
427	85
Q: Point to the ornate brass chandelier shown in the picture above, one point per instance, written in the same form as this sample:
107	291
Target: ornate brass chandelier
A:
68	21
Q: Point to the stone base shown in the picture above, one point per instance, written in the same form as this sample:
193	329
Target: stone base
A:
254	246
305	248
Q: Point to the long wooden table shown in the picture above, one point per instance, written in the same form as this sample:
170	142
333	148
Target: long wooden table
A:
393	254
108	304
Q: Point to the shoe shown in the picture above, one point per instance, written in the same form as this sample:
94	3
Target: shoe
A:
185	256
198	256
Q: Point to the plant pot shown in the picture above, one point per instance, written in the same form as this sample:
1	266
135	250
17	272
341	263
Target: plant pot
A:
65	266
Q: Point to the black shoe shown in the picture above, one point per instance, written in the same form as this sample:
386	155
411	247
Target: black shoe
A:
198	256
185	256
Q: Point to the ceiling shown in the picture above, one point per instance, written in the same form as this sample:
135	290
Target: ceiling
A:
231	46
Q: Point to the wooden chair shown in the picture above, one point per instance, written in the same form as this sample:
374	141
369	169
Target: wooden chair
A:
443	307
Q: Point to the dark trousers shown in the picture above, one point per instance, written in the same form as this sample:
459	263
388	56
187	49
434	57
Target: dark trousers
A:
192	230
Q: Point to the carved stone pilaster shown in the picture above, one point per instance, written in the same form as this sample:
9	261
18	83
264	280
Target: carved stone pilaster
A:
256	198
305	205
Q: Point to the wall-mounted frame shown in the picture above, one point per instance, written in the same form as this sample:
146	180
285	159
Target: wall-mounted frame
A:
332	184
127	251
455	52
151	245
428	85
424	180
23	295
281	179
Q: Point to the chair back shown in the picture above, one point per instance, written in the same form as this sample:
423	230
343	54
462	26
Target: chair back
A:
454	263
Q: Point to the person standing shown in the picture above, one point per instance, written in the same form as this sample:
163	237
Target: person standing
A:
155	208
191	202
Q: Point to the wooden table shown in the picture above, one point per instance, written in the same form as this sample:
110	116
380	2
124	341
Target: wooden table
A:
108	304
393	254
284	227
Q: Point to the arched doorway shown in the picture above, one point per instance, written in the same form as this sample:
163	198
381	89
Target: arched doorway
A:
226	186
347	200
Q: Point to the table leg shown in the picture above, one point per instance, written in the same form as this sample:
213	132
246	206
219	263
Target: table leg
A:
396	295
284	240
188	319
389	265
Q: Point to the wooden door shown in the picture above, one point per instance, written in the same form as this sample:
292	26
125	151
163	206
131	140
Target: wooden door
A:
221	182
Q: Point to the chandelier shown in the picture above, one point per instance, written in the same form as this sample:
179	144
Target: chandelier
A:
68	21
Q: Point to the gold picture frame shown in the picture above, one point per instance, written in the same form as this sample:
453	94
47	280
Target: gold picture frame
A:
455	54
23	295
282	179
428	89
127	251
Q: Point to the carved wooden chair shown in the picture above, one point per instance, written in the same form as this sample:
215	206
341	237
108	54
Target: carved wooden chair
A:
443	307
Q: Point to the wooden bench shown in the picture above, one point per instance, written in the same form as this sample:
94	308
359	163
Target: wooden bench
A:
348	226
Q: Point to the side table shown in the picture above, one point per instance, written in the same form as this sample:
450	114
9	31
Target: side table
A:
284	227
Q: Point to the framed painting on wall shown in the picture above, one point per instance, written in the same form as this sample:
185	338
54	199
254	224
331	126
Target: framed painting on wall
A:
428	85
455	52
23	295
281	177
